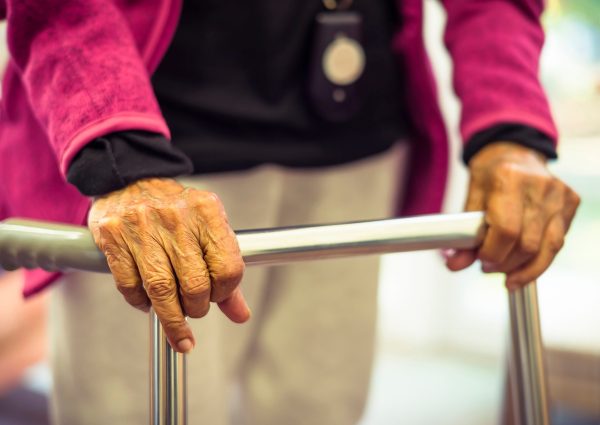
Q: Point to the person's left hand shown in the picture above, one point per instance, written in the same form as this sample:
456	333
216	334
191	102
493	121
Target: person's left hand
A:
527	213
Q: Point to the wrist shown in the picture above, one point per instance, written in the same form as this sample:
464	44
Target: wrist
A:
505	151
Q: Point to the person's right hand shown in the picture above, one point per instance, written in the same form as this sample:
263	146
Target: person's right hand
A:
170	248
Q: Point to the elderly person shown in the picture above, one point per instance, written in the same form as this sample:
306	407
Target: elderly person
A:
284	113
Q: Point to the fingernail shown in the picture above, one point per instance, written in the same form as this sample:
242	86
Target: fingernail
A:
448	253
511	284
488	267
185	345
241	297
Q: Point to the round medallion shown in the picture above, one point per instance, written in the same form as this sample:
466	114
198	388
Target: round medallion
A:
343	61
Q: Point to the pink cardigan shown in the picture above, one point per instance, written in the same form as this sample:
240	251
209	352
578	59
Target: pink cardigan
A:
80	69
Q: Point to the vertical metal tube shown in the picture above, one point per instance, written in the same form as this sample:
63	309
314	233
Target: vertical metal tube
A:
529	391
168	379
168	384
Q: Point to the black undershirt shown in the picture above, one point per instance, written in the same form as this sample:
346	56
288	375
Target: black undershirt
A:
133	155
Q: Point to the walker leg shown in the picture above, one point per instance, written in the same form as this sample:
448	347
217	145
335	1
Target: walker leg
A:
529	391
168	379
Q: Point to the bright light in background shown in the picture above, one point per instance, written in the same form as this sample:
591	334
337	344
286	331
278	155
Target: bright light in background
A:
571	73
568	59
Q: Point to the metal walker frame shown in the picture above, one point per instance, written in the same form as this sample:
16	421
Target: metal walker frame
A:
54	247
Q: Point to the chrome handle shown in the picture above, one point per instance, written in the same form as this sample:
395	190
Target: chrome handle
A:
33	244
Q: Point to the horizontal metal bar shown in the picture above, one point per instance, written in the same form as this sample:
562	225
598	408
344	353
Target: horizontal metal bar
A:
34	244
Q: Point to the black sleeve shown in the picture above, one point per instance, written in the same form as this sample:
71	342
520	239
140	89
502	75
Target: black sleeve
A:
118	159
517	133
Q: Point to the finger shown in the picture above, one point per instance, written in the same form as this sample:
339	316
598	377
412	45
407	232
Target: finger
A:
235	307
475	197
552	242
226	269
535	219
528	246
123	268
192	273
220	250
504	216
463	258
161	287
516	259
128	280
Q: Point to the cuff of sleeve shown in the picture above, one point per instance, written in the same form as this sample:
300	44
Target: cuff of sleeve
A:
517	133
116	160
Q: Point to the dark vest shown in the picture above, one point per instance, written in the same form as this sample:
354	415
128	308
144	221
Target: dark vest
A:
233	86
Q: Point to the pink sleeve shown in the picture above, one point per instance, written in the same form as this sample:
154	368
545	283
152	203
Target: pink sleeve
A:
82	71
495	46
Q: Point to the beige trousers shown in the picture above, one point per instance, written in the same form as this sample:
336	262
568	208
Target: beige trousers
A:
304	357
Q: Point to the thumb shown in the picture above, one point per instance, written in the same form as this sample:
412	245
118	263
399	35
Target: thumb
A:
235	307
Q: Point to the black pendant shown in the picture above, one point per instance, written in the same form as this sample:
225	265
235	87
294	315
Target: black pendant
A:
337	65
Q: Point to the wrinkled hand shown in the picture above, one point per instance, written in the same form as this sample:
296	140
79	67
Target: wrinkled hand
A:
527	211
172	248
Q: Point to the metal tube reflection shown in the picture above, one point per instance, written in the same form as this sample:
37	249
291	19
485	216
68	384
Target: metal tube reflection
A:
529	391
168	379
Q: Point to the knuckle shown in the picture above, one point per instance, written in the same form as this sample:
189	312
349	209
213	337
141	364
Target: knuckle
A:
126	286
204	198
173	323
195	286
136	302
509	230
212	198
230	273
160	288
529	247
108	225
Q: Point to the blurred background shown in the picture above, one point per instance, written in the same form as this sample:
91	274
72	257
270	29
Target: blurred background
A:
442	337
